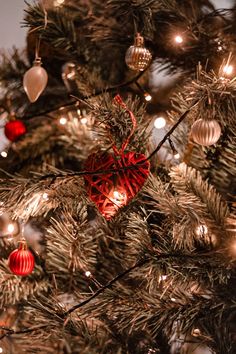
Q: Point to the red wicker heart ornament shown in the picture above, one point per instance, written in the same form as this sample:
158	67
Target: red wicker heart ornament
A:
112	190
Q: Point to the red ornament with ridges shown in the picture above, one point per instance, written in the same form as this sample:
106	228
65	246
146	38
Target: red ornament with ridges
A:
21	260
112	190
14	129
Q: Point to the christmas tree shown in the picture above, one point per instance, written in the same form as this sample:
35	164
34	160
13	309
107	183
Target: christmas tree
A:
117	186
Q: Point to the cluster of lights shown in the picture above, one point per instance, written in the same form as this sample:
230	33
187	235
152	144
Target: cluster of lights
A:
159	122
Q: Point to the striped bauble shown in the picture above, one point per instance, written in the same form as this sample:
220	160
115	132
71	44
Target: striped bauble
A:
21	260
138	57
205	132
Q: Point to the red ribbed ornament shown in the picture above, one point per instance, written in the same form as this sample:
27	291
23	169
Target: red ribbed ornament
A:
21	260
14	129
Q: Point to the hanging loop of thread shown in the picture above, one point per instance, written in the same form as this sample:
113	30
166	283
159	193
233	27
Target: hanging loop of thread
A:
121	103
38	42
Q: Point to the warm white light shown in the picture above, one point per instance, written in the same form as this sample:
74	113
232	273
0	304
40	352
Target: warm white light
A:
147	97
10	228
179	39
4	154
1	350
62	120
83	120
177	156
201	230
58	2
196	332
159	122
116	194
45	196
173	299
162	277
228	69
88	273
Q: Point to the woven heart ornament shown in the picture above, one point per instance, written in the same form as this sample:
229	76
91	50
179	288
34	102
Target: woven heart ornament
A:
115	178
112	190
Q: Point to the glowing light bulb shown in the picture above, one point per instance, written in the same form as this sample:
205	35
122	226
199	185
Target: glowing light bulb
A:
228	69
179	39
162	277
45	196
62	120
88	274
83	120
58	2
196	332
116	194
147	96
1	350
4	154
10	228
201	230
176	156
159	123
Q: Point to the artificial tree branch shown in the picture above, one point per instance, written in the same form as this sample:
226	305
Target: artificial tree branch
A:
133	166
97	93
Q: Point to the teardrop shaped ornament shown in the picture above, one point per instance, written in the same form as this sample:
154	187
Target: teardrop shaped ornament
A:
35	80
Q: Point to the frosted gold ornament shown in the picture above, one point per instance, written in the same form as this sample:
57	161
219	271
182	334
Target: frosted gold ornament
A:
138	57
205	132
35	80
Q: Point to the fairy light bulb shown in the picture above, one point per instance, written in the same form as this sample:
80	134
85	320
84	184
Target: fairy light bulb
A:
178	39
201	230
159	122
4	154
147	96
58	2
84	121
88	274
228	69
176	156
62	120
10	228
45	196
162	277
1	350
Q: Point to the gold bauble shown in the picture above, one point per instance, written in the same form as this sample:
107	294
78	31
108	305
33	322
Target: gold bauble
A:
138	57
205	132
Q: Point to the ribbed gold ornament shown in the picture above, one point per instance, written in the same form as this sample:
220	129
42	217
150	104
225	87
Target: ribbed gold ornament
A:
138	57
206	132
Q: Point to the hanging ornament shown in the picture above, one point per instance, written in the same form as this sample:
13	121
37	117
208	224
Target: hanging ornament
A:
35	80
138	57
14	129
21	260
205	132
112	190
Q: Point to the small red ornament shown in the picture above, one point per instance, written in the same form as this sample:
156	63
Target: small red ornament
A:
112	190
14	129
21	260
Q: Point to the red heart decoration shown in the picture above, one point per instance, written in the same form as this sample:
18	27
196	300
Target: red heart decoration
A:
112	190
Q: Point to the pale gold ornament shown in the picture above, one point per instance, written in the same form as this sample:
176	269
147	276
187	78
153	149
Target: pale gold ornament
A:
205	132
35	80
138	57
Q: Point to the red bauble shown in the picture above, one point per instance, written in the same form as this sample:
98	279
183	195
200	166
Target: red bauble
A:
21	260
112	190
14	129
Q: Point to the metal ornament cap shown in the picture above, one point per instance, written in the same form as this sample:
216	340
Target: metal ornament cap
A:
35	80
205	132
